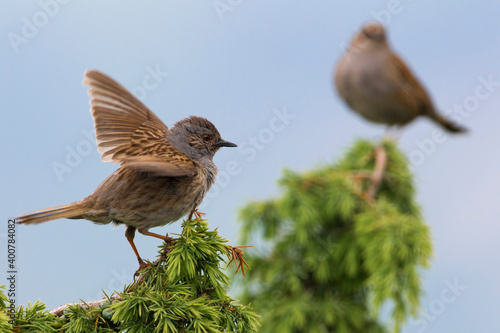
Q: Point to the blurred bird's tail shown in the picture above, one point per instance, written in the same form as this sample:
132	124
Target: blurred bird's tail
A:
74	210
447	124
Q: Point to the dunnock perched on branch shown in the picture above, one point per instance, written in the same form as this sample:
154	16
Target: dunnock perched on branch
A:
377	84
164	173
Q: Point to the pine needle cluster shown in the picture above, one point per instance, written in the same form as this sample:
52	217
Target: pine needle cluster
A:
183	291
335	257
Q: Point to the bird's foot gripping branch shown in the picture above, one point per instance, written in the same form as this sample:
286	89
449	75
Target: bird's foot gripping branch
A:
184	290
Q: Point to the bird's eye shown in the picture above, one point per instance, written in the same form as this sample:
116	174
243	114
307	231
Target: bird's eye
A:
207	137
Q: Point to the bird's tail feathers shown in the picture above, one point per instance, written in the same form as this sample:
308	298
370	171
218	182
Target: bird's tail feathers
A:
447	124
73	210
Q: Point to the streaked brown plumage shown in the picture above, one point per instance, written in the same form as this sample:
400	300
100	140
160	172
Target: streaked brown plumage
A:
164	173
375	83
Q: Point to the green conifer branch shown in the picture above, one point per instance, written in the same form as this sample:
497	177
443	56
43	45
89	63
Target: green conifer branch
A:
336	249
183	291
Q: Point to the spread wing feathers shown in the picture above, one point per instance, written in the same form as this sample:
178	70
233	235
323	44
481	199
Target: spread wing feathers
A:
148	151
117	114
128	132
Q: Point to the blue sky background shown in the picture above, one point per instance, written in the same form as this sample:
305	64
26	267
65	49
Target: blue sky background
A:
238	68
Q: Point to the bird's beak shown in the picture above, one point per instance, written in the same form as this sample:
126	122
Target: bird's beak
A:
224	143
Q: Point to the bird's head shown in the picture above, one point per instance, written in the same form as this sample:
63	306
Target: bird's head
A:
372	35
374	32
197	137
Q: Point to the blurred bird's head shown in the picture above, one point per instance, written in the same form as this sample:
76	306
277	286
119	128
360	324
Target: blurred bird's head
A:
371	35
374	32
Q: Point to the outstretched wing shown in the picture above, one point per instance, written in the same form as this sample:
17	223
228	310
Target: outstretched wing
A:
128	132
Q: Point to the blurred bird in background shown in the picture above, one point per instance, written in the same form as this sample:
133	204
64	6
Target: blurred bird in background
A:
375	83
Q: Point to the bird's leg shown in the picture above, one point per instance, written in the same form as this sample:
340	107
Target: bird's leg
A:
166	239
392	133
397	132
195	212
387	133
190	216
130	233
